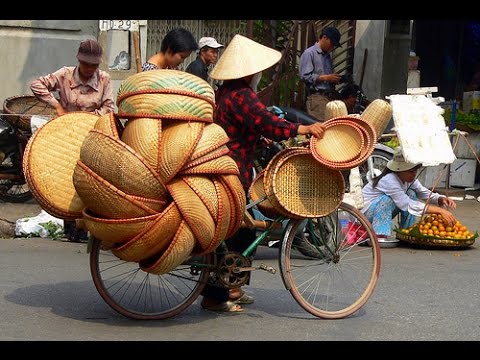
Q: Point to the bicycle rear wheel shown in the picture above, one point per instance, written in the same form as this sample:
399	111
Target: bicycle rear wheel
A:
338	280
144	296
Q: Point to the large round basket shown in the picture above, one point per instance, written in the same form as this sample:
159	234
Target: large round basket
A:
299	186
19	109
431	241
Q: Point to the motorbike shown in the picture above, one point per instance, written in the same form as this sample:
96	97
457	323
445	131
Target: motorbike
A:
13	141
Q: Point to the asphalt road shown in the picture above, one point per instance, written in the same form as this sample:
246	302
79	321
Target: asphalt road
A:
422	295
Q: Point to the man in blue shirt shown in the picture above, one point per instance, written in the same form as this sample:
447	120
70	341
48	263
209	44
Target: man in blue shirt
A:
316	70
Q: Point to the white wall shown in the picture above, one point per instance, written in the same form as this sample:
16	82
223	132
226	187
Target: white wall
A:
31	48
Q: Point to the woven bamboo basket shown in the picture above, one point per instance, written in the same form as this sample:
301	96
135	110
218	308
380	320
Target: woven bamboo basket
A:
223	219
177	252
49	161
306	188
268	178
19	110
117	231
191	202
153	240
432	241
369	136
236	193
107	200
369	141
166	94
342	142
120	166
257	192
378	113
298	186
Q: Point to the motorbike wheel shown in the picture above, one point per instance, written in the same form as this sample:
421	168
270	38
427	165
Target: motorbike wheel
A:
13	190
379	161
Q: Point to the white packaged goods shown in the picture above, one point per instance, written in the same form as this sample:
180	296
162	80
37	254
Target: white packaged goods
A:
421	130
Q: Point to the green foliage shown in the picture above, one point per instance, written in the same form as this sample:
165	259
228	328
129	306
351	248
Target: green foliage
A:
55	231
472	118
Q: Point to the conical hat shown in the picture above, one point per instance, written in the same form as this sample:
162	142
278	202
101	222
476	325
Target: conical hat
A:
243	57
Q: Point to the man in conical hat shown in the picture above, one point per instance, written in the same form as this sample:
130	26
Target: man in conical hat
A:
245	119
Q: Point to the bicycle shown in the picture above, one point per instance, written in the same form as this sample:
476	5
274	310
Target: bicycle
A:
333	284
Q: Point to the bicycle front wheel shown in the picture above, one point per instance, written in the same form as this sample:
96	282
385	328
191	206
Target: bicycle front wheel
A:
339	278
144	296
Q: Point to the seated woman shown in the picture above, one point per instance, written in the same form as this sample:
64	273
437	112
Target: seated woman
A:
397	191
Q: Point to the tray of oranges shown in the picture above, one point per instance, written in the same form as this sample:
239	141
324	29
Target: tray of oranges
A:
432	230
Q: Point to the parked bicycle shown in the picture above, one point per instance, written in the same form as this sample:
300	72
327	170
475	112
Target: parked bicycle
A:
15	131
332	280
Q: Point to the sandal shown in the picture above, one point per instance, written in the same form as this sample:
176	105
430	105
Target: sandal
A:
244	299
225	306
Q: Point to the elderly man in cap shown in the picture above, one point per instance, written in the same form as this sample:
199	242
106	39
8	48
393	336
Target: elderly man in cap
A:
207	56
316	70
81	88
245	119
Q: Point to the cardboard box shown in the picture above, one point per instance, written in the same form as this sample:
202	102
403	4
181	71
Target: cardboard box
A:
462	174
471	101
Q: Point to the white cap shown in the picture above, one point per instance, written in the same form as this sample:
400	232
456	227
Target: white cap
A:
210	42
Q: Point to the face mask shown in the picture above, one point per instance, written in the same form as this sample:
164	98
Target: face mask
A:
255	81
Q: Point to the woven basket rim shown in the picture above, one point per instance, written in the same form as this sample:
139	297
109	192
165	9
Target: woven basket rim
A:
265	206
434	241
23	120
369	145
268	177
330	125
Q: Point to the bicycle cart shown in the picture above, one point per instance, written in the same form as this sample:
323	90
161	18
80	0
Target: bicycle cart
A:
333	283
15	132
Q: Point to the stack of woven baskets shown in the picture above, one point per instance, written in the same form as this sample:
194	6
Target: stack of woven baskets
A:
156	191
307	182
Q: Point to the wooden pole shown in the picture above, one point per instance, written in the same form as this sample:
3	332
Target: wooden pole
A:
136	48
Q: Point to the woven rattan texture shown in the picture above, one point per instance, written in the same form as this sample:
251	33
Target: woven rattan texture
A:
436	242
366	131
378	114
341	142
257	192
49	163
19	110
156	190
306	188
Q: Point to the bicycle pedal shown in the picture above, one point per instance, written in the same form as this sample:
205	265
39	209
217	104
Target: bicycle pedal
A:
270	269
252	268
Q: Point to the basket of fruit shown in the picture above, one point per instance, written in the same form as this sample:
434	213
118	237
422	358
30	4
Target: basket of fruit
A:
433	231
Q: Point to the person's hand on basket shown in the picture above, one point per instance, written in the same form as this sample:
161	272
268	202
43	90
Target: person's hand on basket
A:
317	130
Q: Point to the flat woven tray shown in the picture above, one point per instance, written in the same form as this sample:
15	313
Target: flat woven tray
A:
432	241
19	109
